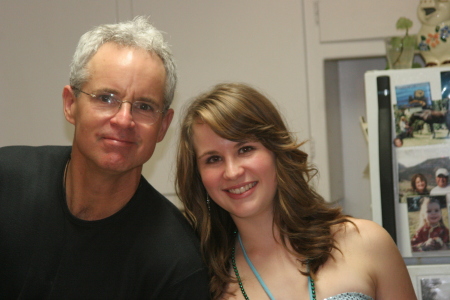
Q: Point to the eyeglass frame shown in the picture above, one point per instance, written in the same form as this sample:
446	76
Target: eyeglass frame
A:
115	97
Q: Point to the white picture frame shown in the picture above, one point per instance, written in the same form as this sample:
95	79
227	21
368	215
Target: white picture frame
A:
434	277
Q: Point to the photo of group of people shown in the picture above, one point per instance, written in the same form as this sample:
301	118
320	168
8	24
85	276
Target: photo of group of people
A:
422	153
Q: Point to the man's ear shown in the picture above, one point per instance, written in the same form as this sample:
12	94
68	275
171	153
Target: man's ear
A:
167	119
69	103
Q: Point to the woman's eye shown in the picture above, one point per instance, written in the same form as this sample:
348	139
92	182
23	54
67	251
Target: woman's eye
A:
212	159
246	149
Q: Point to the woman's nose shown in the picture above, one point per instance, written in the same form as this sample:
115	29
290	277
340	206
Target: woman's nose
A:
233	170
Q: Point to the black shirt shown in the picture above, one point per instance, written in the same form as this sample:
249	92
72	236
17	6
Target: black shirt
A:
147	250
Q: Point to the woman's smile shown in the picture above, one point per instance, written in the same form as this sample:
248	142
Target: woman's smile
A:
242	189
231	171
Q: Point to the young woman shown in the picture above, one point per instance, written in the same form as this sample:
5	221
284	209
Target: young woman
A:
265	233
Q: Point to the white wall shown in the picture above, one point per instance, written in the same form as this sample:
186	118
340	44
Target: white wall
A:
37	40
213	41
355	176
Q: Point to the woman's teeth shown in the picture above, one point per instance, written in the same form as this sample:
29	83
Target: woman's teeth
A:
242	189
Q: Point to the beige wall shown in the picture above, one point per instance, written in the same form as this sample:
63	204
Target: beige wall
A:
260	43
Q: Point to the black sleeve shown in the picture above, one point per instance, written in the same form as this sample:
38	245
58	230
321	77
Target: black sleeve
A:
194	286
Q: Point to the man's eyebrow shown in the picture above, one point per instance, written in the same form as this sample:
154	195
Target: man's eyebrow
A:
147	99
105	90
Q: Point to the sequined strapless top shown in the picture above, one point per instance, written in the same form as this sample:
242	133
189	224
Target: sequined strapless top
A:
311	288
350	296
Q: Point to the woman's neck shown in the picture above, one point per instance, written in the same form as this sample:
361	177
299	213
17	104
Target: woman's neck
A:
259	237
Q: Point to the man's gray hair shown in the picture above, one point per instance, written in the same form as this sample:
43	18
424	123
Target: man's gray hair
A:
137	33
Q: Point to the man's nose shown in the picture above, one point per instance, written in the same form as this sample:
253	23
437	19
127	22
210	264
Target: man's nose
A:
124	116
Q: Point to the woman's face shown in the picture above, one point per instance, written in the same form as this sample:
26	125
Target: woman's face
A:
420	185
239	176
433	213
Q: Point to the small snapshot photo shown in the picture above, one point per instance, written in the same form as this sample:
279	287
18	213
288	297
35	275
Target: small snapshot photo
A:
435	287
422	171
419	120
428	223
413	95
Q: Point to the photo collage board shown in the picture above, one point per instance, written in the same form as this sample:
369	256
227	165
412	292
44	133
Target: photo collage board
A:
422	158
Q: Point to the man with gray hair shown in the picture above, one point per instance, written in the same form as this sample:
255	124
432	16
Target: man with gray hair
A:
81	222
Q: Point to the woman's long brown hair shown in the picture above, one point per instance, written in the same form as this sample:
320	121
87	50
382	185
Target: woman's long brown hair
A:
238	112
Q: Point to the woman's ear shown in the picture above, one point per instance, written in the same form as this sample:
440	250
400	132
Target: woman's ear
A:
69	103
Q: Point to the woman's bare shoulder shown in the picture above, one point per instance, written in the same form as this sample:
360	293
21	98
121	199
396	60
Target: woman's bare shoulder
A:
362	234
367	248
358	228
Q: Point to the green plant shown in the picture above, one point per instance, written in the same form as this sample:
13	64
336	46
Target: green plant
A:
398	44
406	40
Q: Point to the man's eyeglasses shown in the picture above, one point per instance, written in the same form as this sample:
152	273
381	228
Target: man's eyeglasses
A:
143	111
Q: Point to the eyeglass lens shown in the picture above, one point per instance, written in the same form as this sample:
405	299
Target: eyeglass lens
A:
142	111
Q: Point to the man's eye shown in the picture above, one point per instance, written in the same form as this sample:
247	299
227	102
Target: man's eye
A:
145	107
107	98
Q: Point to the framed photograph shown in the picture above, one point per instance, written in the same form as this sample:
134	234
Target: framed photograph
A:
431	282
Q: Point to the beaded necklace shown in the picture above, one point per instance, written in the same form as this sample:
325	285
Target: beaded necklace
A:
311	286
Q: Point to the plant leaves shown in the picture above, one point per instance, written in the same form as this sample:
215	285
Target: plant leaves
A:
404	23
